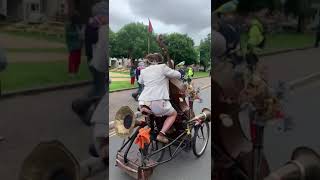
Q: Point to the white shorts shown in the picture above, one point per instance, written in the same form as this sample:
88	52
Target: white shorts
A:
159	108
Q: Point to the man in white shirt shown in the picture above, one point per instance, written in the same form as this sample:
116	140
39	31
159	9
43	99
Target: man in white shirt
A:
155	94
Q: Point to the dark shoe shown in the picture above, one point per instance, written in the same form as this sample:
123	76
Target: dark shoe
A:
162	138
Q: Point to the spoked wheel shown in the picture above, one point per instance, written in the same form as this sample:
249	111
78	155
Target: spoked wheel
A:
200	139
154	146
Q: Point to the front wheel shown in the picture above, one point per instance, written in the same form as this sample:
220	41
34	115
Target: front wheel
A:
200	139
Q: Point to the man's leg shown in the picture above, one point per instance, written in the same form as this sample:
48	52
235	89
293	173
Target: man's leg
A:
166	126
99	82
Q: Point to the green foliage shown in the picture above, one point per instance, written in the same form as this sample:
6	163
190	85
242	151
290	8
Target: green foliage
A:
181	48
131	41
204	50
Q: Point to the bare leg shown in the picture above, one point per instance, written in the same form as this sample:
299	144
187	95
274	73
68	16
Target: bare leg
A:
166	126
168	122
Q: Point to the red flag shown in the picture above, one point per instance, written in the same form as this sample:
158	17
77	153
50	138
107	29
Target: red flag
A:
150	29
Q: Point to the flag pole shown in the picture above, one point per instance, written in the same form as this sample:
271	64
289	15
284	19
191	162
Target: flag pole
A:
148	42
149	36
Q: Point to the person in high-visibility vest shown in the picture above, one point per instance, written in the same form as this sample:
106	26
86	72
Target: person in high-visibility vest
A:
190	74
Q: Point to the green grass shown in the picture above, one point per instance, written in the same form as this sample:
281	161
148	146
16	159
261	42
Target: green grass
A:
290	40
126	73
20	76
118	85
50	38
282	41
201	74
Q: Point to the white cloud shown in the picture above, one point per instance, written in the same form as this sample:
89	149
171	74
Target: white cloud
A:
184	16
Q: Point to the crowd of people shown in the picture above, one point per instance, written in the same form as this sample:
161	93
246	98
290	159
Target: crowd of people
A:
92	36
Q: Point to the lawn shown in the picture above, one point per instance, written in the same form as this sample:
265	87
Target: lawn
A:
118	85
284	41
201	74
20	76
32	35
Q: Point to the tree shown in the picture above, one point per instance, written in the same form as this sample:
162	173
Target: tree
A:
300	8
246	6
181	48
205	52
131	41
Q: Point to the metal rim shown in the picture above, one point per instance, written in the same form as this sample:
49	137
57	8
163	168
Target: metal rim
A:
199	134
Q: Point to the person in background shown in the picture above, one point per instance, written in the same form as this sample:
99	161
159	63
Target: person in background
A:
74	43
190	74
138	72
91	38
317	36
256	37
132	74
98	65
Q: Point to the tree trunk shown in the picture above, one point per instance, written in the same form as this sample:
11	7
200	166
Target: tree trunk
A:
301	24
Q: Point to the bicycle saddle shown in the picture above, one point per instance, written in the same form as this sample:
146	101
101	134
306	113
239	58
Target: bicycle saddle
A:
145	110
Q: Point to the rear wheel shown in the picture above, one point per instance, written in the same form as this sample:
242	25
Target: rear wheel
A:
154	146
200	139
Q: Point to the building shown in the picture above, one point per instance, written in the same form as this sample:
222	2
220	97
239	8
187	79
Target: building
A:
315	4
23	9
52	9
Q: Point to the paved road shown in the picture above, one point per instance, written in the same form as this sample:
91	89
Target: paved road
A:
289	66
185	167
304	107
25	121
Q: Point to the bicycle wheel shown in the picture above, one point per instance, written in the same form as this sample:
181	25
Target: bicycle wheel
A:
154	146
200	139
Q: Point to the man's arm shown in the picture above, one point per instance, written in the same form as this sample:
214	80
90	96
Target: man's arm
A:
170	73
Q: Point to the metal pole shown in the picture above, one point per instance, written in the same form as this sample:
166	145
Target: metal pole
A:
148	43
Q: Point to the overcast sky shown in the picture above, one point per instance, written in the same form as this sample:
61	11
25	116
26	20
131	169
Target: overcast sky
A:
190	17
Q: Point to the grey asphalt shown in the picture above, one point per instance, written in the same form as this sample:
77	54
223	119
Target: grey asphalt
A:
293	65
184	167
304	108
27	120
303	105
